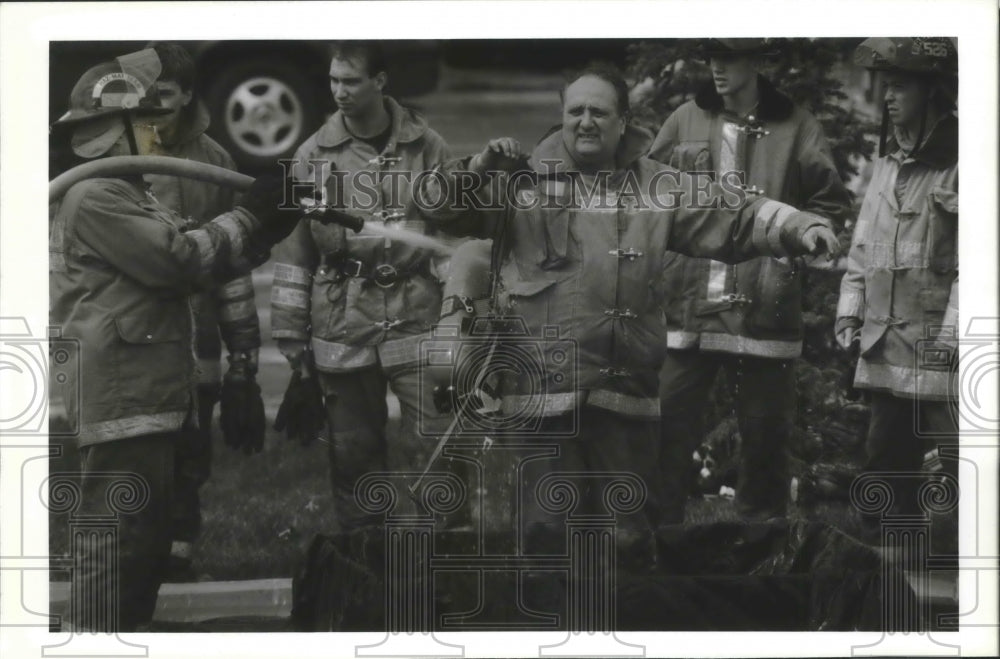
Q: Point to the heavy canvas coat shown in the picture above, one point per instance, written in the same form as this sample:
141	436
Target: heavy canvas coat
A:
121	275
227	311
902	270
579	275
351	321
754	307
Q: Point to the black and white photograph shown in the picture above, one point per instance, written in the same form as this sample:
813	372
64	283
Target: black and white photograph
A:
453	329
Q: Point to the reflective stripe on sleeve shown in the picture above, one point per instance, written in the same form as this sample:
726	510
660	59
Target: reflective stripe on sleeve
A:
291	274
233	311
206	248
289	297
851	303
770	217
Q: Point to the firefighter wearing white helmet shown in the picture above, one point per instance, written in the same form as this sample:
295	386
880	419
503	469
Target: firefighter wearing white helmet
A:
899	297
121	276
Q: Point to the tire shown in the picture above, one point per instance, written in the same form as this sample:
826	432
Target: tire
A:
262	109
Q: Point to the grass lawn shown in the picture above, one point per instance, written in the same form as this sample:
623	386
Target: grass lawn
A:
260	512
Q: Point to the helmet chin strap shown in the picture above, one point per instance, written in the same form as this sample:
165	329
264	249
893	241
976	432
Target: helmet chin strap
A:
129	135
884	130
920	132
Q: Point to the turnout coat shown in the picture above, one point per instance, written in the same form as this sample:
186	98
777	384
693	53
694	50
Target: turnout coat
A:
902	270
360	299
577	270
753	307
120	277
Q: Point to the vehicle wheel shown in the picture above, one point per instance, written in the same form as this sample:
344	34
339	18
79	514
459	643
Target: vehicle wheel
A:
261	110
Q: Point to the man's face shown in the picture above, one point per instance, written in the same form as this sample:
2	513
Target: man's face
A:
592	126
173	98
147	137
356	93
905	97
732	74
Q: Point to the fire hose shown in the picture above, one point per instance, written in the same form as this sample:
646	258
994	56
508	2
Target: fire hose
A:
180	167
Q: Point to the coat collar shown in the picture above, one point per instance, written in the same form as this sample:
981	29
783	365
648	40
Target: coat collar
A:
771	106
407	126
939	150
193	122
635	143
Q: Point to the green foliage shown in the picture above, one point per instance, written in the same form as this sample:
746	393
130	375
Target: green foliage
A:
670	72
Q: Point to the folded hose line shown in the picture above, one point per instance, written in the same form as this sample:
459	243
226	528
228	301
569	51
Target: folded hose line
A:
139	165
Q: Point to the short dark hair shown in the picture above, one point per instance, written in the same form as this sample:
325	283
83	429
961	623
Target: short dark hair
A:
178	65
610	74
371	51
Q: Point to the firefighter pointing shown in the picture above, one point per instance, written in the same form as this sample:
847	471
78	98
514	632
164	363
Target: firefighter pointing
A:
575	247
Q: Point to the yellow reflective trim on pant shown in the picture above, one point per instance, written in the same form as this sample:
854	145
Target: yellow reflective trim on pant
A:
623	403
132	426
289	297
744	345
907	381
342	357
292	274
679	340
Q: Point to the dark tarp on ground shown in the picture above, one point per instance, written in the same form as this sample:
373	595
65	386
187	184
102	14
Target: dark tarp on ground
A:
803	576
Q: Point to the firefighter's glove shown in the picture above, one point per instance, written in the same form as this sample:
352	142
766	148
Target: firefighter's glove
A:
302	414
276	203
241	406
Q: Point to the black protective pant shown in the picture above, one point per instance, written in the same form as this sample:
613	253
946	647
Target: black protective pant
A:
763	391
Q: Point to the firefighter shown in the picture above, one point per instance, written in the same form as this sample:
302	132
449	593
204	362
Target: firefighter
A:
746	318
121	277
575	248
225	313
899	296
356	306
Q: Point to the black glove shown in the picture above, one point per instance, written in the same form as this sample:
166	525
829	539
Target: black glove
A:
302	414
241	407
274	200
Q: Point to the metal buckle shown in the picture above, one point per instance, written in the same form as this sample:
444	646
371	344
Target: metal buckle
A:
382	161
386	325
735	298
752	129
631	254
386	216
618	313
358	265
385	275
615	372
751	189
